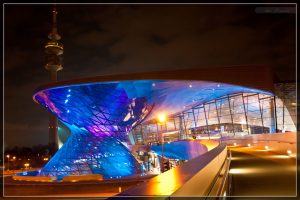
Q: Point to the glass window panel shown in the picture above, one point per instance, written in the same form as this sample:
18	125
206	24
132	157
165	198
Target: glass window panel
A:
239	118
236	100
268	112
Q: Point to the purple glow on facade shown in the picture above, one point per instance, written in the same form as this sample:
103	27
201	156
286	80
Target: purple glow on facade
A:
107	111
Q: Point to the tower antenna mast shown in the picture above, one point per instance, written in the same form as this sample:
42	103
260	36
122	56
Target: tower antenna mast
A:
54	51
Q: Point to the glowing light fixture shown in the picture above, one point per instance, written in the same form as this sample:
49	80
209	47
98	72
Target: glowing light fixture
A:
243	121
249	145
266	147
244	170
278	156
162	117
289	152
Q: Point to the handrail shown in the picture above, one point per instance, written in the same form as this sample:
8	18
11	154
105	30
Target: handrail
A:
220	188
226	175
288	137
173	183
250	138
230	177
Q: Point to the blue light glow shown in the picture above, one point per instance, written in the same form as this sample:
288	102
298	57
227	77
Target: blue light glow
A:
182	150
85	153
104	112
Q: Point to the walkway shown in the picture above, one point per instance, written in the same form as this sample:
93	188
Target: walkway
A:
258	172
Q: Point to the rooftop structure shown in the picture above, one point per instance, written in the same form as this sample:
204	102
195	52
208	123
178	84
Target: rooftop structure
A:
103	110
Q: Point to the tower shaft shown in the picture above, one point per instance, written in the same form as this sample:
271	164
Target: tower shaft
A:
54	51
53	76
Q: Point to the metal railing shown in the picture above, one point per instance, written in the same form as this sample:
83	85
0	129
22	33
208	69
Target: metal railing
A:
221	185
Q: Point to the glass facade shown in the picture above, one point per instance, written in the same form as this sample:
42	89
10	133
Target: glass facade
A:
102	116
234	114
286	92
102	109
98	117
85	153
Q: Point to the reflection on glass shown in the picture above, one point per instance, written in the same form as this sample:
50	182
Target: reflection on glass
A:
236	114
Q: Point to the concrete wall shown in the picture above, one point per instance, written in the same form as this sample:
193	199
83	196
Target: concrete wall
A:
34	178
192	178
200	183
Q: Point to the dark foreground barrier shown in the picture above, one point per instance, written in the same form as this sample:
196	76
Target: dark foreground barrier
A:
194	178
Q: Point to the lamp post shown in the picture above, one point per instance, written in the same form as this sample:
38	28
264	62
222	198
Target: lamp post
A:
7	156
26	165
161	119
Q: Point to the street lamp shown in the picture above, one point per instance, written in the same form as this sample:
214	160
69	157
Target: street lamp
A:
7	156
161	119
46	159
26	165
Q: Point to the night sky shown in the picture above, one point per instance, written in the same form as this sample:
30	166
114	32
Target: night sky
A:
113	39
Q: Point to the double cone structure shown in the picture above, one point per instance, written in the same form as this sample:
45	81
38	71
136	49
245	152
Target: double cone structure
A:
100	114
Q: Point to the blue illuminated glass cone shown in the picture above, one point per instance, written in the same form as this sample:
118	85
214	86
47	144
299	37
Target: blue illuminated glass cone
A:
100	115
85	153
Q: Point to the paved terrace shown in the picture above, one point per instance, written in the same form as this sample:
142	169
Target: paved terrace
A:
259	172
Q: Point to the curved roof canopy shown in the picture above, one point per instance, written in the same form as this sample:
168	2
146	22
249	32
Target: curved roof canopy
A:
117	106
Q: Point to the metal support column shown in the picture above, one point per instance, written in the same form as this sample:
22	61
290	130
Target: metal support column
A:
283	102
231	114
180	126
158	133
218	116
175	129
275	114
166	127
246	118
175	124
206	121
142	134
195	122
162	149
261	113
184	124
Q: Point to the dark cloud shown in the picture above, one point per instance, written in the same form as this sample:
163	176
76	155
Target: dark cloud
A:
112	39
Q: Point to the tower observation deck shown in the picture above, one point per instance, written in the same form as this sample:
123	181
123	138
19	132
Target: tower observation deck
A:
54	51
